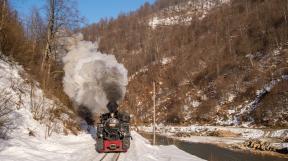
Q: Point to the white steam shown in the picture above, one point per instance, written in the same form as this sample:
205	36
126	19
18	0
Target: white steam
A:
92	78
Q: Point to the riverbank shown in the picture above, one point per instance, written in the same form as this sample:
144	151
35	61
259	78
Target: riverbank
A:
214	152
272	142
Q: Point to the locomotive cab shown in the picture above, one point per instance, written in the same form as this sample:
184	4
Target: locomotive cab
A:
113	134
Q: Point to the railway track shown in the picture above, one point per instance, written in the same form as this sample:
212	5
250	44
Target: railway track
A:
104	156
116	156
112	157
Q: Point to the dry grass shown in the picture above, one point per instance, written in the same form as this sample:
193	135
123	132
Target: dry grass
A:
224	133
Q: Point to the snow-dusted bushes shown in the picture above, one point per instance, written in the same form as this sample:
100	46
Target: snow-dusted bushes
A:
5	110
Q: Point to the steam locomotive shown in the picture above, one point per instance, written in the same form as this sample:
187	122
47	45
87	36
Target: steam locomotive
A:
113	133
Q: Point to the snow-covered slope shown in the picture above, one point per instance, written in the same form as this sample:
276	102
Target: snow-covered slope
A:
30	111
184	12
31	119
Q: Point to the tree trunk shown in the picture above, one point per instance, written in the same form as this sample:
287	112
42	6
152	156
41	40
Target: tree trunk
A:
3	12
50	35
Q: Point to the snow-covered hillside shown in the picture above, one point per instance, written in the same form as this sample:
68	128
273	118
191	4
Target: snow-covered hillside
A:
233	108
26	103
183	13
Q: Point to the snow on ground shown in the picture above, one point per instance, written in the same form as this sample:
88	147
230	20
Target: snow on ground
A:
27	103
186	11
82	148
157	21
31	140
213	139
141	150
167	60
244	133
64	148
142	70
170	130
200	134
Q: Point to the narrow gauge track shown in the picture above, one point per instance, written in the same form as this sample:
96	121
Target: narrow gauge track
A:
114	157
102	159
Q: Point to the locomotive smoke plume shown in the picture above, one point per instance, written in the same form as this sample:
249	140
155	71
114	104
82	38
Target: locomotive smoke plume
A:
92	79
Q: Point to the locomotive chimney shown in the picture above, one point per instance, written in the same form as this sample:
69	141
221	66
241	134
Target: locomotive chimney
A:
112	107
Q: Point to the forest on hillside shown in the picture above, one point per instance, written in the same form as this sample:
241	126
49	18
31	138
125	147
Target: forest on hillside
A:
230	48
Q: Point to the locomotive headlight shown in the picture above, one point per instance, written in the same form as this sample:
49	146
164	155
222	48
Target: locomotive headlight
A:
113	122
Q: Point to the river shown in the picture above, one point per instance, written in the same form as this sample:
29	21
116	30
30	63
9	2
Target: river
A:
212	152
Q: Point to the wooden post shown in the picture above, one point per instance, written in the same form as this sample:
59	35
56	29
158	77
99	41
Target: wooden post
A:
154	110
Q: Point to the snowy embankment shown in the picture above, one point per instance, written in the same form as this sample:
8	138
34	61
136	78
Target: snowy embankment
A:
217	134
34	134
243	132
274	140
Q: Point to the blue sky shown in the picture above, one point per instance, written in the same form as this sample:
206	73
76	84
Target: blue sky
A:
93	10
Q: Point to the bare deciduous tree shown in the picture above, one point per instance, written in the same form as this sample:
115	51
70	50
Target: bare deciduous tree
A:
5	110
62	17
3	13
36	33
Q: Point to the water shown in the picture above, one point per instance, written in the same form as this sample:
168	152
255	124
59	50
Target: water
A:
212	152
